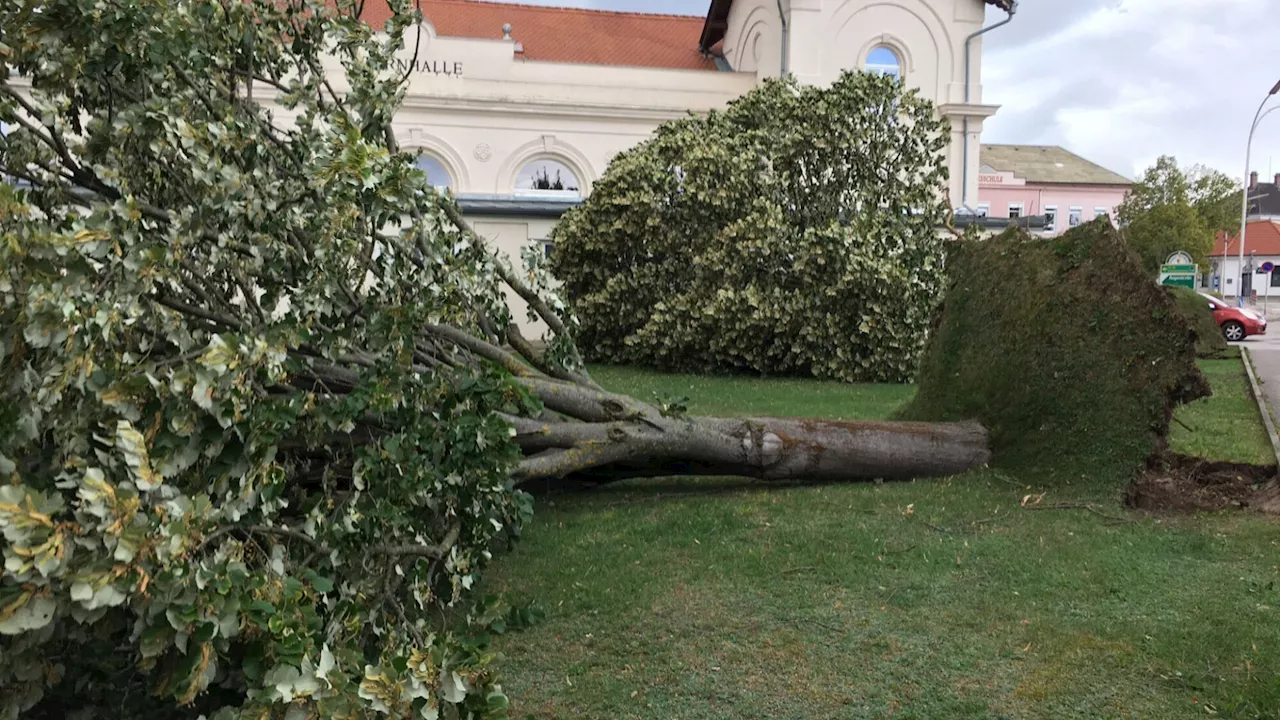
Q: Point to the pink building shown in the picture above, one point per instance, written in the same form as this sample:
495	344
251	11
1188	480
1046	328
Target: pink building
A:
1028	180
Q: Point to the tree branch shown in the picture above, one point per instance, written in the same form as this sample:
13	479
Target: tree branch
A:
434	552
559	463
534	300
481	348
591	405
521	345
213	317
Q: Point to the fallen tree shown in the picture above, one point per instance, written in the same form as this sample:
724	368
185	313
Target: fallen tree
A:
263	406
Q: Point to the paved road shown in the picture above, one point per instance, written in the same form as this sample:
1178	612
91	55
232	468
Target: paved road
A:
1264	352
1262	343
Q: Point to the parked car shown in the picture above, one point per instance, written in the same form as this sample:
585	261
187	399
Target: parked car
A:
1236	323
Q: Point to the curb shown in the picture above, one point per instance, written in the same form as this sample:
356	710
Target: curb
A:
1263	408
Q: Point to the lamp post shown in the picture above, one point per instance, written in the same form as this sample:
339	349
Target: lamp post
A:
1222	273
1244	200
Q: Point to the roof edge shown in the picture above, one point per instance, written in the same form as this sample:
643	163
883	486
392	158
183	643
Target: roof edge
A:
716	24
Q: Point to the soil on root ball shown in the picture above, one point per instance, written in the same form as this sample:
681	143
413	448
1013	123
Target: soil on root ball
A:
1187	484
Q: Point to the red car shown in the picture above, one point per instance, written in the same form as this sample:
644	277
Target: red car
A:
1236	323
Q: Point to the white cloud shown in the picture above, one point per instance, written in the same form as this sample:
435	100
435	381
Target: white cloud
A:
1122	82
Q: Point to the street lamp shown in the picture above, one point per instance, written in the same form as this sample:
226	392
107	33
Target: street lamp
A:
1223	270
1244	200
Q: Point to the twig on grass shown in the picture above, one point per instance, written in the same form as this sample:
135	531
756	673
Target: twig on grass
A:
1007	481
819	623
1088	507
788	571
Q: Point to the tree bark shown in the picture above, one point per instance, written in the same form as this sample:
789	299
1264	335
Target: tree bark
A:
621	437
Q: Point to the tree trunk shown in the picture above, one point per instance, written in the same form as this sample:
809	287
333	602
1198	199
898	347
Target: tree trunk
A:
618	436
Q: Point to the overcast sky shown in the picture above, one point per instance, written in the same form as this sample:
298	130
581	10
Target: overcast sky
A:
1120	82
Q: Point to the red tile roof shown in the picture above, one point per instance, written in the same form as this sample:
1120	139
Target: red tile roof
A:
570	35
1261	237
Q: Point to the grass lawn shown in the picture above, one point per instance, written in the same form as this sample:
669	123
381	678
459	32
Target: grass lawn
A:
1225	426
720	598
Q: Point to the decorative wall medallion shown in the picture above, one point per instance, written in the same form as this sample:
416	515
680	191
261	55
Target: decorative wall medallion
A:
483	152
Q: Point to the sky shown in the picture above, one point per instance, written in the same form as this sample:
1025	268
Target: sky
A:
1120	82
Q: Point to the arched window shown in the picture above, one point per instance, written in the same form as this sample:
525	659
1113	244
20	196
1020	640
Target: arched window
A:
884	61
437	174
547	175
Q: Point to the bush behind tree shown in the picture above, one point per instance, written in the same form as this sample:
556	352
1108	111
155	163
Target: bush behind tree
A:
794	232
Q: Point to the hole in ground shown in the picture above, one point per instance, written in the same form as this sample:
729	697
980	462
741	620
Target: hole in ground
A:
1179	483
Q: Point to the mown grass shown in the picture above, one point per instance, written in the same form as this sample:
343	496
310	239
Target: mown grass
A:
1225	426
719	598
748	395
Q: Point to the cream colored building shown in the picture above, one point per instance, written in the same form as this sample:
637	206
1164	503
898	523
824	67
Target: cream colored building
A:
518	109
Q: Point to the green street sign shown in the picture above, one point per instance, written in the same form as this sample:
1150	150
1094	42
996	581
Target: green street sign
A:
1186	281
1177	269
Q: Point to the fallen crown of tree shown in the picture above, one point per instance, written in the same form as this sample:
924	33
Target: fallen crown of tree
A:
263	408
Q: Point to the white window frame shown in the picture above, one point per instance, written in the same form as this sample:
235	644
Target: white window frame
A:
1050	218
984	210
1020	207
880	68
1076	213
1099	211
450	186
566	193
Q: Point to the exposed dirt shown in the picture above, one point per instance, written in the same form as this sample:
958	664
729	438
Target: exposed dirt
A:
1179	483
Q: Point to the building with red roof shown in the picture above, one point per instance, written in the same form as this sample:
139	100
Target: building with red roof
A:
1261	246
517	109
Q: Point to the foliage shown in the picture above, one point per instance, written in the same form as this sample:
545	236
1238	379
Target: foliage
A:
1172	209
1216	197
1195	310
237	478
792	233
1077	361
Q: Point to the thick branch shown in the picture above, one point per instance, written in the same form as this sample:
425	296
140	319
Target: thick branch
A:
533	435
591	405
559	463
520	344
485	350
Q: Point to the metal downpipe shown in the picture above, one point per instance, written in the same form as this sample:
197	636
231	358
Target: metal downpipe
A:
968	81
